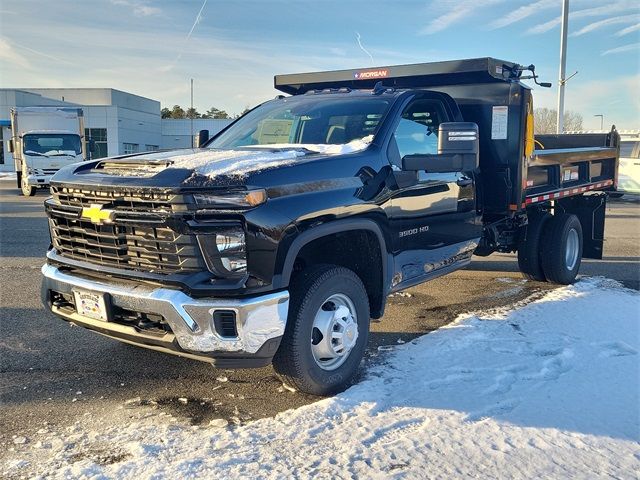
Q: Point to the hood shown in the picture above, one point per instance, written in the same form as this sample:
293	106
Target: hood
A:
203	167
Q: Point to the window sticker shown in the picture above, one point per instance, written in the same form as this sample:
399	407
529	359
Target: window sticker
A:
499	120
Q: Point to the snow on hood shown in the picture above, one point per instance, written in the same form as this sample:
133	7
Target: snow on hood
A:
239	163
235	163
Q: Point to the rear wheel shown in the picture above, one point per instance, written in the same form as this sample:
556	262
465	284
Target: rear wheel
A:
27	190
562	248
529	247
327	331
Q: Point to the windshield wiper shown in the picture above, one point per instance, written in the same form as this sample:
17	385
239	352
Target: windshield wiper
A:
31	152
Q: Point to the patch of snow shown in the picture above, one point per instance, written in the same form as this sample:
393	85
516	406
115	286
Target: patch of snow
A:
235	163
218	423
329	149
239	163
545	390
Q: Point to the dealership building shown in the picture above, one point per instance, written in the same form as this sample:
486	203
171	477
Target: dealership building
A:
117	122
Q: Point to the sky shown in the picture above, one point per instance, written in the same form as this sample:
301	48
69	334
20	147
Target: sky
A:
232	49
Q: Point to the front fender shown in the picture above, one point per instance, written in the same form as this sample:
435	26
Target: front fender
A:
287	254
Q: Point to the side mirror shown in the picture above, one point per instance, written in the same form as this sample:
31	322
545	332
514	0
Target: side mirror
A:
10	145
92	146
202	138
458	150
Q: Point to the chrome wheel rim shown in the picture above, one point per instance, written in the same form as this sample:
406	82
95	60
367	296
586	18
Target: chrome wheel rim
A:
335	332
572	250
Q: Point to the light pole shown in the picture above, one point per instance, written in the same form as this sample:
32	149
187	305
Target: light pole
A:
601	120
191	113
563	65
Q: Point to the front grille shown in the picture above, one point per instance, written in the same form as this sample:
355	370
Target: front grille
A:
149	249
117	200
44	171
130	242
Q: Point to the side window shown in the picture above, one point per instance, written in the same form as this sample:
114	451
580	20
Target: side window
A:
417	132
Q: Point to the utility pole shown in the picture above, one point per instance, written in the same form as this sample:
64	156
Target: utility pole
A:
563	65
191	113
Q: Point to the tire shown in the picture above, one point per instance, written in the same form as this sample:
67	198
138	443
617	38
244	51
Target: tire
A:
529	247
27	190
19	179
315	293
562	248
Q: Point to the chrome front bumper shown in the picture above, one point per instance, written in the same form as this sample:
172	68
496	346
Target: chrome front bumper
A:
259	320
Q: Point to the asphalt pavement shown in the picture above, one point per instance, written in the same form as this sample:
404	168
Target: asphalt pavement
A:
52	373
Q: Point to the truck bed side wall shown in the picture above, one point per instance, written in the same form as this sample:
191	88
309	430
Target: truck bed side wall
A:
577	140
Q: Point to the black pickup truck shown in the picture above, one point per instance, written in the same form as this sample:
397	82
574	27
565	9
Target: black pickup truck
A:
278	239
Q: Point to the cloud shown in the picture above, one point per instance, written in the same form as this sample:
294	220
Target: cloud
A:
627	30
140	8
620	6
604	23
9	54
622	49
521	13
456	11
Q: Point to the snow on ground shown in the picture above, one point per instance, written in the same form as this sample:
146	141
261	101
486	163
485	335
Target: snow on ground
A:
8	175
549	389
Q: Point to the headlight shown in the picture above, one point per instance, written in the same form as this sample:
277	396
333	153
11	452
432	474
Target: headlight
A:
224	252
251	198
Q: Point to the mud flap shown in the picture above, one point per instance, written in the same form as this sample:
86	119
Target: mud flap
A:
590	210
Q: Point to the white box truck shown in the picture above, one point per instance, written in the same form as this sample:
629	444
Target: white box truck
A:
43	140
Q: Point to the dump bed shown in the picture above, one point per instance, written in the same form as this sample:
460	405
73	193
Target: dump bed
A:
571	164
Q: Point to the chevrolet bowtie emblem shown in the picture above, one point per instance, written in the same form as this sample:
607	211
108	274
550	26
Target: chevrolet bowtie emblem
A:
97	215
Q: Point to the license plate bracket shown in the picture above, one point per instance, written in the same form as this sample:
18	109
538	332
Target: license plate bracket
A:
91	304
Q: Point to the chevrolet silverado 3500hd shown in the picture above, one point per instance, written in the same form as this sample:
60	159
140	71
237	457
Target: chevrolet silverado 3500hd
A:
279	238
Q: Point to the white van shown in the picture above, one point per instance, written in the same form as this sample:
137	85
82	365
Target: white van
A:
629	169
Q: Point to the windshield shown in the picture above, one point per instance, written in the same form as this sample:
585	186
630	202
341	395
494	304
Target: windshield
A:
52	144
325	119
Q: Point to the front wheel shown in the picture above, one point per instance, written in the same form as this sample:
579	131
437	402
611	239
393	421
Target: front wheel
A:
27	190
327	331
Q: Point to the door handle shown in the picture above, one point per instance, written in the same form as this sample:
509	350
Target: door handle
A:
464	182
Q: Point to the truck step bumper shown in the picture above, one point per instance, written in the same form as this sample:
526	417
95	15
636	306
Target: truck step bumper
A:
259	321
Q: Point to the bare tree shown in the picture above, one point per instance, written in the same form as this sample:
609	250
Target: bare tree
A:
545	120
572	121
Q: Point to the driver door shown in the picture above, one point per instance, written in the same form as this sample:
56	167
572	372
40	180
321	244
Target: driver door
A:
433	218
